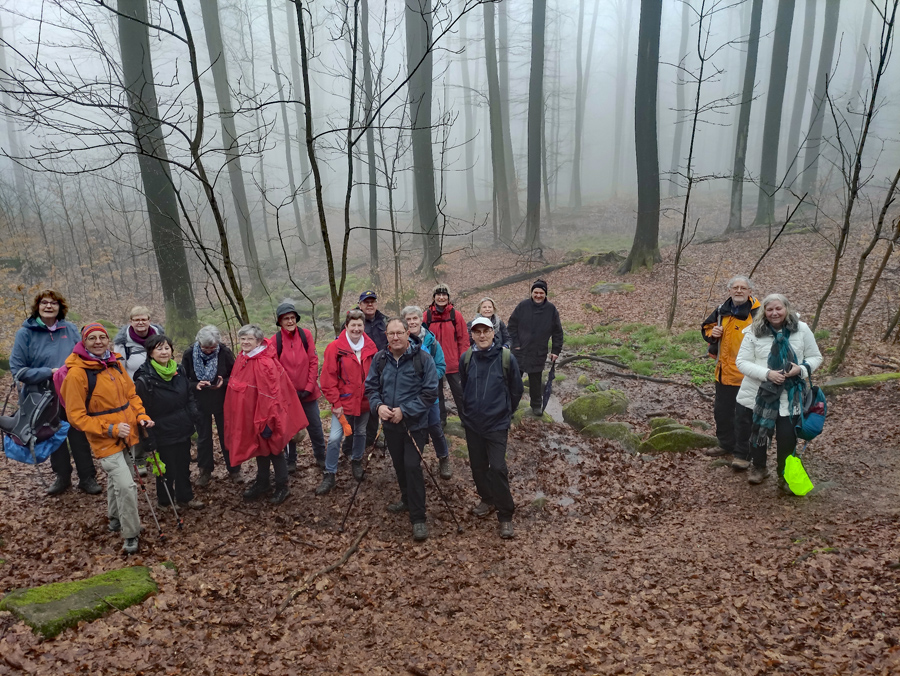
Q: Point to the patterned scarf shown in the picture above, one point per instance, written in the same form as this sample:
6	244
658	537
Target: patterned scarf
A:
768	398
205	365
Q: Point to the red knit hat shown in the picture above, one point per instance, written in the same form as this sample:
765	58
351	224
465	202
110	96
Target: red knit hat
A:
88	329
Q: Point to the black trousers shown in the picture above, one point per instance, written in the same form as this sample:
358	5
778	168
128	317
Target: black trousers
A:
785	440
314	430
536	389
81	453
205	440
487	458
732	430
454	380
279	467
177	459
408	467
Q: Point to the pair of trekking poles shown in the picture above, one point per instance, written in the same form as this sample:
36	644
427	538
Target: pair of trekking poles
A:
158	470
459	528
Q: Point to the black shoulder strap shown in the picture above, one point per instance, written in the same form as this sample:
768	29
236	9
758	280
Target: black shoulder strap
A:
279	341
417	362
92	384
428	317
302	338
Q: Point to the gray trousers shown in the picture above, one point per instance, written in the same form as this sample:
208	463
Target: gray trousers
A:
121	492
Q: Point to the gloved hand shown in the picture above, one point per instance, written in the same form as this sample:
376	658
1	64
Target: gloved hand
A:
303	394
266	433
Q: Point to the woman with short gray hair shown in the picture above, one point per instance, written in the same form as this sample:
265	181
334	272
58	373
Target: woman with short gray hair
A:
263	413
207	364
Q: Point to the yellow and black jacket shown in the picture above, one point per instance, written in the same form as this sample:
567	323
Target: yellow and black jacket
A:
725	349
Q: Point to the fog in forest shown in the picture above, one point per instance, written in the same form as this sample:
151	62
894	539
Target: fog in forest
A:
78	85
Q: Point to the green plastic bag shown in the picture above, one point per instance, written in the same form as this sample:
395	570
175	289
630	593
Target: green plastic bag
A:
797	478
156	465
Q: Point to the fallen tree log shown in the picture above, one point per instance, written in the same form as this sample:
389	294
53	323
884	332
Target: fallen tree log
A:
518	277
664	381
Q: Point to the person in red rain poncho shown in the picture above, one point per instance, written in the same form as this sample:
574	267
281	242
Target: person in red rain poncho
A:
262	413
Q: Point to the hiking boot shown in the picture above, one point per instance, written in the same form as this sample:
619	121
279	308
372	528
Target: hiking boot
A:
420	531
280	495
379	442
59	485
757	475
320	463
327	484
716	452
162	506
537	412
740	464
90	486
203	478
292	466
397	507
506	530
357	469
256	490
784	487
142	469
482	509
192	504
131	545
446	469
236	476
114	526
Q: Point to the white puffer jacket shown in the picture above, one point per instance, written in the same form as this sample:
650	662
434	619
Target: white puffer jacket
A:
753	358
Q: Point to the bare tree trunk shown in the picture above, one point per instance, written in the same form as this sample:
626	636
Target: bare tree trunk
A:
370	135
575	187
622	57
498	158
468	113
817	115
298	112
162	207
510	162
862	58
18	171
645	248
210	12
535	117
743	128
768	173
792	142
286	130
679	99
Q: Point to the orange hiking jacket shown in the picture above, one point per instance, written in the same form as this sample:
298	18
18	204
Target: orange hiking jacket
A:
113	401
725	349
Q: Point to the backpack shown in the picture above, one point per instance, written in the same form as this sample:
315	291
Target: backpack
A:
381	360
37	418
813	409
91	374
279	341
429	318
504	360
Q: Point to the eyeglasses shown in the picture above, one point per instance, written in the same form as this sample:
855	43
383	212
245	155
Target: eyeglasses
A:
51	303
396	334
740	288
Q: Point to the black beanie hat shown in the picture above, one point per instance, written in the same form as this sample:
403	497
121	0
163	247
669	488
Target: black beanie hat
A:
539	284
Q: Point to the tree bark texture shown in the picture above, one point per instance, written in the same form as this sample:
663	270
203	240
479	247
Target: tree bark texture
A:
370	133
498	156
623	55
680	99
792	142
510	163
535	115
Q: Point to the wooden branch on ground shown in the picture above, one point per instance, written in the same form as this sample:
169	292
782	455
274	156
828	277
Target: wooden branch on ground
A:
126	614
889	367
519	277
664	381
354	547
575	357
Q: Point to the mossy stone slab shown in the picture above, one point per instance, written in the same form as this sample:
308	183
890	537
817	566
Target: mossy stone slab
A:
51	608
607	430
454	427
593	408
855	382
659	422
524	411
612	287
677	441
662	429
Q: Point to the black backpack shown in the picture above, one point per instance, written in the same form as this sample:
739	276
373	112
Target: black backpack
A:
381	360
37	418
429	317
92	384
279	341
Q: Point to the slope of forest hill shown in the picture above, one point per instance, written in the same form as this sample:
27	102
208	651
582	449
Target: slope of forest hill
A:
622	564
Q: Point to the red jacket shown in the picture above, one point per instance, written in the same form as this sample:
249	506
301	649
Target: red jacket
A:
344	378
260	400
302	366
452	335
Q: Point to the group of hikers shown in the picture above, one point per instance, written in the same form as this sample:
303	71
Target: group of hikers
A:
127	398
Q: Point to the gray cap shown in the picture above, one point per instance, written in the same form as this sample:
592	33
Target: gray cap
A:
285	307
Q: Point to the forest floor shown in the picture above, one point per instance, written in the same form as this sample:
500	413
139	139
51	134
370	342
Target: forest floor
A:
621	564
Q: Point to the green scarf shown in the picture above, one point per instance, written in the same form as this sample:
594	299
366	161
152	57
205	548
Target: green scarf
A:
166	372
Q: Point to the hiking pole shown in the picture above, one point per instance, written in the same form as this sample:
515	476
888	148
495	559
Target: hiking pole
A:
459	528
144	490
356	490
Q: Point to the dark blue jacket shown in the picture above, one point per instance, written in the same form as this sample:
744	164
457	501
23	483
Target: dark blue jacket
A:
39	350
398	384
489	398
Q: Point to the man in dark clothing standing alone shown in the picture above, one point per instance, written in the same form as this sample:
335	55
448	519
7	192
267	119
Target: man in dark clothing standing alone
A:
401	388
531	326
492	389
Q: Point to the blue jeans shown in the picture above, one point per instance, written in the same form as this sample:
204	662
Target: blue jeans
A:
436	432
333	451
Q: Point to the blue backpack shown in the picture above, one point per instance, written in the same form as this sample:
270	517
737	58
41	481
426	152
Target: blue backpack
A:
813	409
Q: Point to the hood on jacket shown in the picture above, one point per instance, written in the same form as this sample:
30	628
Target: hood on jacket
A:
85	359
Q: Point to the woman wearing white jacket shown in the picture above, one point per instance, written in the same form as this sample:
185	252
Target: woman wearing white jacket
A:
777	352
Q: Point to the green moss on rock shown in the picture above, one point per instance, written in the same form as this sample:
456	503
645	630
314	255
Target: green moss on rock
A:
659	422
677	441
700	424
51	608
662	429
524	411
612	287
454	427
852	382
593	408
583	381
607	430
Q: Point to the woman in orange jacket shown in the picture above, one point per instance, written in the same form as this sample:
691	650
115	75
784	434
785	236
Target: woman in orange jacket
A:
723	330
101	402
